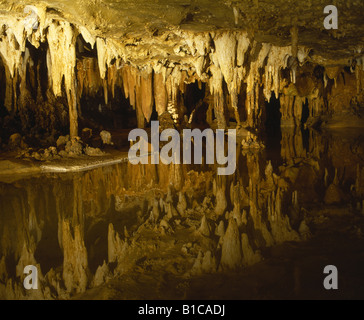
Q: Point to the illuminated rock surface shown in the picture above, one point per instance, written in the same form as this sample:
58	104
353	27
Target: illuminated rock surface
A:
77	76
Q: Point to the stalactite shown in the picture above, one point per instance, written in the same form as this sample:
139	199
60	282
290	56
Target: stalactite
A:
139	101
11	53
132	80
62	48
172	86
216	89
102	56
113	78
125	80
276	61
227	60
224	56
160	94
253	80
146	88
88	77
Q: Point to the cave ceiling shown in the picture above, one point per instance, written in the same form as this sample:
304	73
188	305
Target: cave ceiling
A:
159	23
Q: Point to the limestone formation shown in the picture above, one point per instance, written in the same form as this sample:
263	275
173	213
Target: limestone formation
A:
106	137
75	264
231	252
77	76
204	229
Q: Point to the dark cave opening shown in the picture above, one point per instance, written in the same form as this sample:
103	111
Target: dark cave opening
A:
99	108
116	114
117	117
84	49
37	74
305	112
241	102
194	102
195	92
273	118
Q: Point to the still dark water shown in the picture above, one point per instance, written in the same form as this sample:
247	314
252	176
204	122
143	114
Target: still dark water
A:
86	228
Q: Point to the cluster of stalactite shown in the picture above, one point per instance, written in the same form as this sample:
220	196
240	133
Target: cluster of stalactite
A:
239	72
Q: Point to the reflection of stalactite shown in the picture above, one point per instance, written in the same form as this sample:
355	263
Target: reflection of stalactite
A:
78	212
279	222
75	263
238	217
292	144
220	194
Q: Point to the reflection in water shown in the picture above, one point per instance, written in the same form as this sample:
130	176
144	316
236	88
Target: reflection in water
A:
84	229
